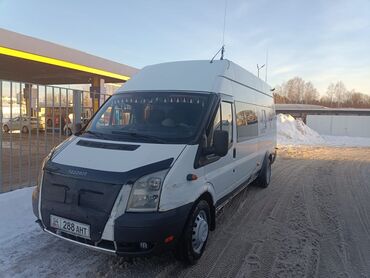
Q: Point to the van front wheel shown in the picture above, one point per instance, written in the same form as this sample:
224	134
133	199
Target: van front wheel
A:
194	238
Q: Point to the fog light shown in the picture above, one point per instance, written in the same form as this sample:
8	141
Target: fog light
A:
143	245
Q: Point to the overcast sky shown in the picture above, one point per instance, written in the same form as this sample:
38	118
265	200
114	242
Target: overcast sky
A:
321	41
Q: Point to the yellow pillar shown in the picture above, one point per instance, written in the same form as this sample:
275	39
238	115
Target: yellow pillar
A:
97	87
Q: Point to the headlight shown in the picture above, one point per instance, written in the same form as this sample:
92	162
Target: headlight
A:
145	192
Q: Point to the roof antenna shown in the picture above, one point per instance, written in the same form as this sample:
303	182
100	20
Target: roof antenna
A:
222	49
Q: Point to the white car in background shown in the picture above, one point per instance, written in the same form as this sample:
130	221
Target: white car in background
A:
24	124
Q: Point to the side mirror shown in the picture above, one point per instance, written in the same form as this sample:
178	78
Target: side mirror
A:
77	128
220	142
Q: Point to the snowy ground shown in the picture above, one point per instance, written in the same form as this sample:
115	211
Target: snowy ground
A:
291	132
312	221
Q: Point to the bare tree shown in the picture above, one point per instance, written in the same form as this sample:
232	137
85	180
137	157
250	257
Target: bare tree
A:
293	89
340	91
330	92
310	93
296	90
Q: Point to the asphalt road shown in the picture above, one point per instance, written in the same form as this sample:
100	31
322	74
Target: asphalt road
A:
312	221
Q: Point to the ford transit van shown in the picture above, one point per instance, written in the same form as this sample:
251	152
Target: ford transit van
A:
158	159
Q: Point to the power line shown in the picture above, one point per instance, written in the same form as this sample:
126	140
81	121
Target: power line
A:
266	63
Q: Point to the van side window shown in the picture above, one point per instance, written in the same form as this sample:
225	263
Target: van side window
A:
223	121
227	119
246	121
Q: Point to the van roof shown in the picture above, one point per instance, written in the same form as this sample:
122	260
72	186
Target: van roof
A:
199	75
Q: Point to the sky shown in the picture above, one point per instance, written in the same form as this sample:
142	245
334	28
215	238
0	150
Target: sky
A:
322	41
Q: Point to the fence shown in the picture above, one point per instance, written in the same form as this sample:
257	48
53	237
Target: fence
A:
34	119
340	125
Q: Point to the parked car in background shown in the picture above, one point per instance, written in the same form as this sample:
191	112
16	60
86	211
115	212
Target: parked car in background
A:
24	124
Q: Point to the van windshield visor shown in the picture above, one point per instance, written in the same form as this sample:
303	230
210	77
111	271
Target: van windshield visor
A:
149	117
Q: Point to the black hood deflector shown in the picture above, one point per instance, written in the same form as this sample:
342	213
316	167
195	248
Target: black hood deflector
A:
86	195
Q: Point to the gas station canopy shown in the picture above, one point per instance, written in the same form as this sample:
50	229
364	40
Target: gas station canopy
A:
27	59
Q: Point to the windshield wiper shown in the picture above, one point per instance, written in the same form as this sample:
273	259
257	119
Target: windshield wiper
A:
94	133
140	135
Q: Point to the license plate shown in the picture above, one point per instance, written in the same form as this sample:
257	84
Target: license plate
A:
70	226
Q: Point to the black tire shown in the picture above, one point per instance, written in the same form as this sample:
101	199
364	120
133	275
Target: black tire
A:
24	129
6	129
264	177
188	249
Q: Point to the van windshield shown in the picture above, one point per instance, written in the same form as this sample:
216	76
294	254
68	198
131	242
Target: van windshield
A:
149	117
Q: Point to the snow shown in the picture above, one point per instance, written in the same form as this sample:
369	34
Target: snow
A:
294	132
16	212
26	251
346	141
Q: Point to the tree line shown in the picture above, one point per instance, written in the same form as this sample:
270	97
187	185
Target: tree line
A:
297	90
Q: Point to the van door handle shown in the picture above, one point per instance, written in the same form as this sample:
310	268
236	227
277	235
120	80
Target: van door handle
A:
234	152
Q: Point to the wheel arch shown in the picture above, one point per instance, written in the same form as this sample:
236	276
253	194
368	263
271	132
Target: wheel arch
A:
207	196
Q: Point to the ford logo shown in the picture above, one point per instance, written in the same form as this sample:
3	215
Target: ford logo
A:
77	173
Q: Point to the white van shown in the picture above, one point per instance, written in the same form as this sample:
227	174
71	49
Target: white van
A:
158	159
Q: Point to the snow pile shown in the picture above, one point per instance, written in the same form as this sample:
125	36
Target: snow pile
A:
294	132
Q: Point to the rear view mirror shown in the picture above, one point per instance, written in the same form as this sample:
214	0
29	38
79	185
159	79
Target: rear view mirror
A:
220	142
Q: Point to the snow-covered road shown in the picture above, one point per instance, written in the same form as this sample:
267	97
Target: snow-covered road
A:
313	221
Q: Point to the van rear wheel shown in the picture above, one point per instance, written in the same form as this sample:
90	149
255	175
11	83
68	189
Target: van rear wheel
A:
193	241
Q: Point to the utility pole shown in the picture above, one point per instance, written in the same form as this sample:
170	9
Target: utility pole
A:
267	59
258	69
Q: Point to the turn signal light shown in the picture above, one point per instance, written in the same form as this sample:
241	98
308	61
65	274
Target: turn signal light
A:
191	177
169	239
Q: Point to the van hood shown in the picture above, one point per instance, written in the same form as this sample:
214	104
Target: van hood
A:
112	156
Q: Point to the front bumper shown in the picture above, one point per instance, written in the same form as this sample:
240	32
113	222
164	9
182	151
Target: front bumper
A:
35	201
137	234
